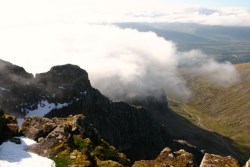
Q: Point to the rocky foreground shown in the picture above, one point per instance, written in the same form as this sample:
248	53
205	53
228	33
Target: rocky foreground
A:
72	141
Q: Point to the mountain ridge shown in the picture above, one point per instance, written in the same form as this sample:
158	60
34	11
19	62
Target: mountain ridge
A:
141	132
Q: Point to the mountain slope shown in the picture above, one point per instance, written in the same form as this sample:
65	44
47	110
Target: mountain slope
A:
140	129
223	110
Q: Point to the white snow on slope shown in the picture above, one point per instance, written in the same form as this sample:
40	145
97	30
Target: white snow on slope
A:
4	89
15	155
43	108
19	122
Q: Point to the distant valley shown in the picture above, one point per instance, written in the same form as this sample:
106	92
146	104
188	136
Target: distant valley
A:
223	110
223	43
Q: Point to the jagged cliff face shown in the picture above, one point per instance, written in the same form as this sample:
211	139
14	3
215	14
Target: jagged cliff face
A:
66	90
140	129
20	92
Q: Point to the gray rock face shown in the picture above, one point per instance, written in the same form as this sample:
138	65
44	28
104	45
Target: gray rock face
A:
21	92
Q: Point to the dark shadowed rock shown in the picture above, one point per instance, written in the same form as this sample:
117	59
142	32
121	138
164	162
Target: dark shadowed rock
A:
182	144
152	103
20	92
130	129
8	127
16	140
64	82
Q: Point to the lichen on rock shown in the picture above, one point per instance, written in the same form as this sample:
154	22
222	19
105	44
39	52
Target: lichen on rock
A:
218	161
71	141
168	158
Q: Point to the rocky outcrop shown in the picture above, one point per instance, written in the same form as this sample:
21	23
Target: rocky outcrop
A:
71	141
15	88
64	83
8	127
182	144
21	92
218	161
130	129
166	158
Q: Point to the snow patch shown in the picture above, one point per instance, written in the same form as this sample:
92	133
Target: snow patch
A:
4	89
61	87
44	107
15	155
84	93
20	122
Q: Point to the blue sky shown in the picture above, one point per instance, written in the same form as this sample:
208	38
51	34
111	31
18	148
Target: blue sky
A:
214	3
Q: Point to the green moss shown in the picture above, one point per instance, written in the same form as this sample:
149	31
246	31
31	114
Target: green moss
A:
81	144
108	163
61	161
109	153
86	154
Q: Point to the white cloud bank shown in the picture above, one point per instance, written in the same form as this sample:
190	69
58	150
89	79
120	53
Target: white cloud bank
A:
121	62
30	12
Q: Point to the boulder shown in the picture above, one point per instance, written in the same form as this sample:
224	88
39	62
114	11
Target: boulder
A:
218	161
169	158
37	127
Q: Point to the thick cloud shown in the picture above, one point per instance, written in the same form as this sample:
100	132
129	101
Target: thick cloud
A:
121	62
196	63
30	12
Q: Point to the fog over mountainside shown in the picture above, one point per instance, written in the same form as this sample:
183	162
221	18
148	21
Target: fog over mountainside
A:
92	79
85	34
136	63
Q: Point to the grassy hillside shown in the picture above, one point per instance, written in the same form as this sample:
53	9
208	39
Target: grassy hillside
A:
223	110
